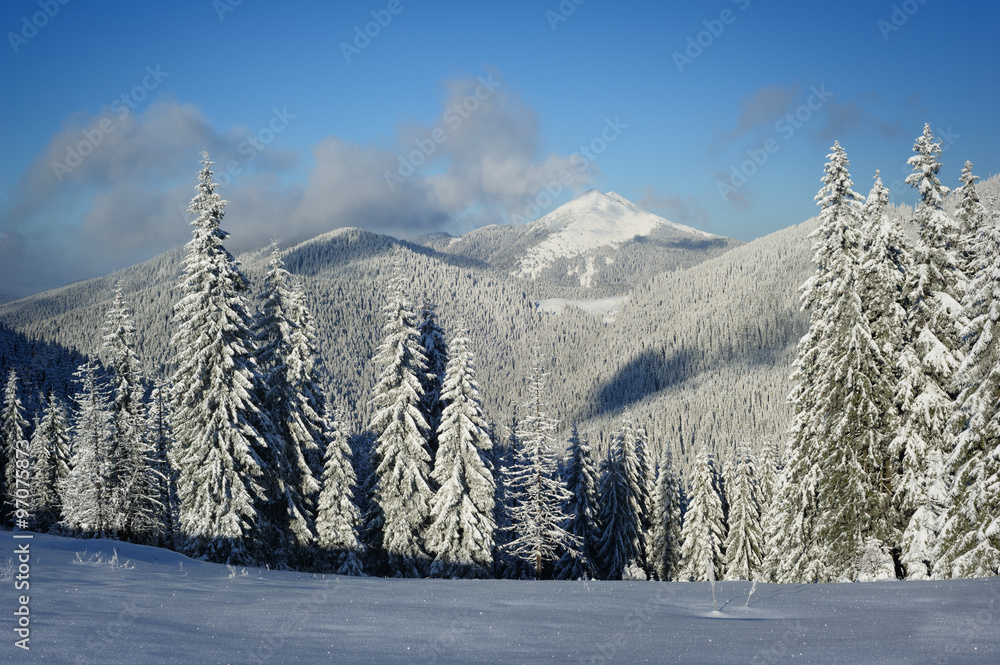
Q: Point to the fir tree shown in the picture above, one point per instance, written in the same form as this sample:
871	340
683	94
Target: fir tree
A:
970	538
462	510
338	520
797	508
435	348
704	530
162	502
503	458
623	503
744	544
403	491
665	529
50	454
218	449
581	481
932	355
537	495
127	454
293	403
12	440
970	212
87	492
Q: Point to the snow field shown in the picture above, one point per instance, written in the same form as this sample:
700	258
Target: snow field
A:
157	606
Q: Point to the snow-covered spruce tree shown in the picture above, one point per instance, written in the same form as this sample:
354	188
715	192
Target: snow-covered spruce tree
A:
363	450
338	520
435	348
129	462
623	501
794	552
970	212
218	447
293	403
50	455
612	546
460	536
855	419
745	542
12	439
159	440
581	481
403	491
87	491
503	459
970	538
536	493
704	530
928	363
665	527
768	468
886	262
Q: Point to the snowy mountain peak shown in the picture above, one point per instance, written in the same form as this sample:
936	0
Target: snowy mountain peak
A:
592	221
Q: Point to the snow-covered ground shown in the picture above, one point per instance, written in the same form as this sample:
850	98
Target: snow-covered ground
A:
603	307
155	606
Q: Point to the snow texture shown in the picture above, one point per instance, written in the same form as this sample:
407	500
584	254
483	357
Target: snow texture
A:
156	606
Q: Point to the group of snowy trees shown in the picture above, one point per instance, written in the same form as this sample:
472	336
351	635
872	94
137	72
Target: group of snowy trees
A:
890	469
893	460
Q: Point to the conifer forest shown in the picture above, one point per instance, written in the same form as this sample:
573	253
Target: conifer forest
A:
818	405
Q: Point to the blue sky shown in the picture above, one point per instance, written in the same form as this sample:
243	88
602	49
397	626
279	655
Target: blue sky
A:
479	112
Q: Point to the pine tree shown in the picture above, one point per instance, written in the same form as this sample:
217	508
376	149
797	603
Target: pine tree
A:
744	544
435	348
970	538
403	491
537	495
665	534
581	482
928	362
462	510
218	449
338	520
162	501
50	454
704	530
127	454
87	491
293	403
13	444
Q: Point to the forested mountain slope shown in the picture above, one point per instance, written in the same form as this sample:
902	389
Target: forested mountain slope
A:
597	240
700	355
